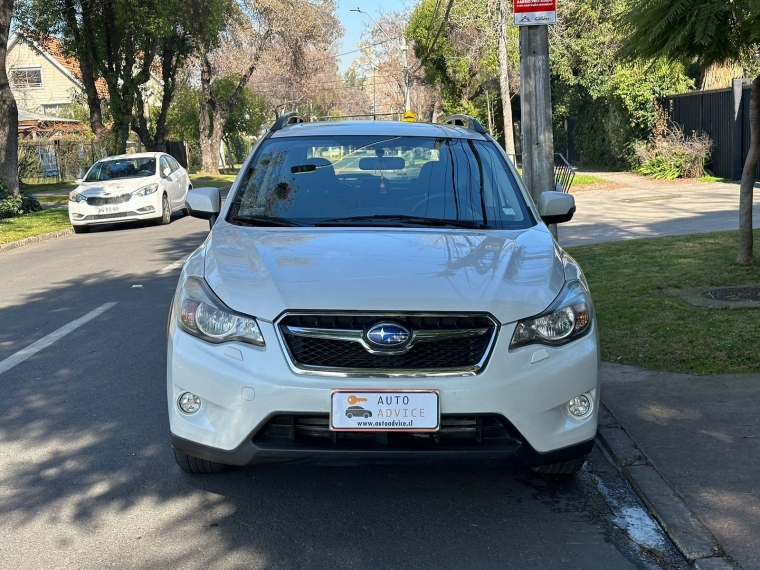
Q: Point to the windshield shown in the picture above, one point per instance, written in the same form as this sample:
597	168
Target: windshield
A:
374	180
122	168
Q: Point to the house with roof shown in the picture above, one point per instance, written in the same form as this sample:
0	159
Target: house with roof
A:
44	79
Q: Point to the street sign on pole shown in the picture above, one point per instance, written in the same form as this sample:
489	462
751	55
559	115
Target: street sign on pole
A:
535	12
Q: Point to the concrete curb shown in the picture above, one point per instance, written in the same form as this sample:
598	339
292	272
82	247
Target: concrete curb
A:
35	239
695	542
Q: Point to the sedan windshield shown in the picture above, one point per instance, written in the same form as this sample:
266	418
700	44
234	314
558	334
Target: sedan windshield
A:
380	181
122	168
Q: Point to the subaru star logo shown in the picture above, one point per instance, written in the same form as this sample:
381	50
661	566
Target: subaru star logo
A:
387	334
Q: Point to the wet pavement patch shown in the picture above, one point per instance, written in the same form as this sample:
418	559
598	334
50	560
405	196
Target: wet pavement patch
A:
736	297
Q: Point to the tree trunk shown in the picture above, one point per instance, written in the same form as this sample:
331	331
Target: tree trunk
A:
745	256
209	159
8	108
506	99
87	69
213	115
210	155
719	75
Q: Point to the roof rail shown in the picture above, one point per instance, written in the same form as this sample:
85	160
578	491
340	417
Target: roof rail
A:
465	121
286	119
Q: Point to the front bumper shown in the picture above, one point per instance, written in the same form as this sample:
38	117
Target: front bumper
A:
243	387
516	453
136	208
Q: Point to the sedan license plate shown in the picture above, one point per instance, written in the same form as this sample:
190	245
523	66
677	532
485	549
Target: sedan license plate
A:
384	410
108	209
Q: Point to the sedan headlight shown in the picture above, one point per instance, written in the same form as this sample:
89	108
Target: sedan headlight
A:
75	197
146	190
568	318
202	314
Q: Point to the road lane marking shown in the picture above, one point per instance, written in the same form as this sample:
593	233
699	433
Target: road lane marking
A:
176	265
45	341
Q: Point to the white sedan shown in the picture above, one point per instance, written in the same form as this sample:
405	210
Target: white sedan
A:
149	185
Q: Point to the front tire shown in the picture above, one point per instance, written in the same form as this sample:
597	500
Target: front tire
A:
563	468
81	229
196	465
166	212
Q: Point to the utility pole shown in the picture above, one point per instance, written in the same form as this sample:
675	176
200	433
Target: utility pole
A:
535	96
533	17
405	67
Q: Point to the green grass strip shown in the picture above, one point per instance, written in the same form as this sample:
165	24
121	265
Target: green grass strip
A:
28	225
641	324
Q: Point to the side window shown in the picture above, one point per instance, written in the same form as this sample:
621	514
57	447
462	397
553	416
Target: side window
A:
173	164
165	164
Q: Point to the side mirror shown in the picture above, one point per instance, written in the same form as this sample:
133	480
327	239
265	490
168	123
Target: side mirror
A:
166	171
78	181
204	203
556	207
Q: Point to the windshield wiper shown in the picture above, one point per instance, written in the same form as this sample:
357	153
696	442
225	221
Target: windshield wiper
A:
401	220
263	221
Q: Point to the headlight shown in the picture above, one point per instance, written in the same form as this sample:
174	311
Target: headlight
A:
567	319
146	190
74	197
201	314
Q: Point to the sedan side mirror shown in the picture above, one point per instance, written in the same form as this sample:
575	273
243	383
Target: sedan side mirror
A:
166	171
204	203
78	181
556	207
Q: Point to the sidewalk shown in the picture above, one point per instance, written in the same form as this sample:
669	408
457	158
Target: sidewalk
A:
702	435
689	445
641	207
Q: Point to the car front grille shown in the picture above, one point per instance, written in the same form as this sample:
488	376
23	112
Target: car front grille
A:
110	216
442	343
104	201
456	432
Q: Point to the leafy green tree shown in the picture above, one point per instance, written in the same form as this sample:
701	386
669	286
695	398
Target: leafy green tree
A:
709	31
614	102
464	56
282	32
124	42
246	119
458	45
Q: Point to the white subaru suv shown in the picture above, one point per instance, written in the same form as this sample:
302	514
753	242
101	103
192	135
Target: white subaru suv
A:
381	292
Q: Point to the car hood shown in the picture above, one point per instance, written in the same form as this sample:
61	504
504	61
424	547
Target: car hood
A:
111	187
510	274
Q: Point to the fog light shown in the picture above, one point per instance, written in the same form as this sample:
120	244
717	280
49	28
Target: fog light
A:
579	406
189	403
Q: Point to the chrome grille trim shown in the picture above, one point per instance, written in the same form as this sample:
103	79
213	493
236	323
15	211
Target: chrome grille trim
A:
357	336
106	200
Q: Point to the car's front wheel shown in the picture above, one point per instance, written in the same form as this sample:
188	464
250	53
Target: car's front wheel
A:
166	212
81	229
196	465
569	467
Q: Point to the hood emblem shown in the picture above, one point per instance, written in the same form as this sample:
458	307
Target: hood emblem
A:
387	334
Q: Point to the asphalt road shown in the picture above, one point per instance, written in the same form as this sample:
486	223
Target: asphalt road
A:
87	478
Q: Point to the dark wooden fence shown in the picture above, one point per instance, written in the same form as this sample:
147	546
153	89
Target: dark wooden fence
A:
723	115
